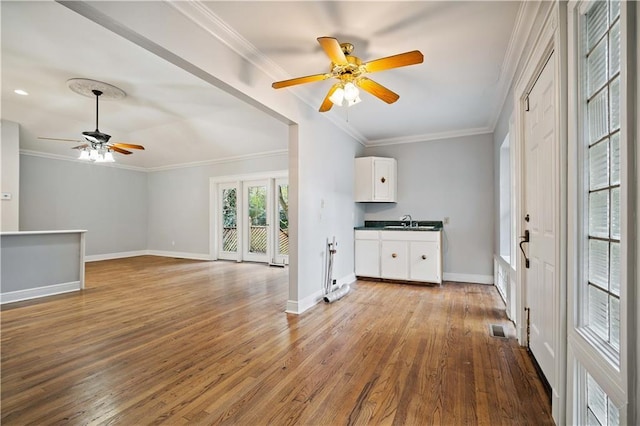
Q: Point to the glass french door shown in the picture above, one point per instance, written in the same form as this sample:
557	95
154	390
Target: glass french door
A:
257	215
252	220
281	252
229	243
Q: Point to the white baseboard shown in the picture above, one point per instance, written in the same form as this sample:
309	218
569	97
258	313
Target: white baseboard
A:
179	255
298	307
125	254
119	255
468	278
33	293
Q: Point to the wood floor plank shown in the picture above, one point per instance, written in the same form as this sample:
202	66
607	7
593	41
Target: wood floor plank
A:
167	341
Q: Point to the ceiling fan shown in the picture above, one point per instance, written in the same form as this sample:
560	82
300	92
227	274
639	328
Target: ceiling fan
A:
351	71
96	146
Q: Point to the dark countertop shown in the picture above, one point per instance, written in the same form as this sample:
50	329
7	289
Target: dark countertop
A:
397	225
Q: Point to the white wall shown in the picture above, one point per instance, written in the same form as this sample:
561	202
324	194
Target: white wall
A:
178	202
447	178
109	202
10	175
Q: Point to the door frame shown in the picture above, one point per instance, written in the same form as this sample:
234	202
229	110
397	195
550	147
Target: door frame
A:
247	254
214	204
552	39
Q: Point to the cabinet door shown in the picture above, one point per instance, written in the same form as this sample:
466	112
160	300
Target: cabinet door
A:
368	258
424	260
383	180
394	260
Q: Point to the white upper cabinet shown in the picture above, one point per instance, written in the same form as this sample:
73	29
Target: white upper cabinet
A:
375	180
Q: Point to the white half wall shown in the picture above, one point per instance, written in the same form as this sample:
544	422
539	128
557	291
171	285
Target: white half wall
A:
447	178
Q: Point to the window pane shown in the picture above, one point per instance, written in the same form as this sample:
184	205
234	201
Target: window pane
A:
599	214
614	414
598	112
614	50
599	312
592	420
614	269
229	221
614	322
614	91
596	23
597	67
599	262
599	165
596	400
615	159
615	213
614	8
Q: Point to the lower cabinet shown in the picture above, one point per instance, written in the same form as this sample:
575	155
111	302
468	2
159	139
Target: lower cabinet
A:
399	255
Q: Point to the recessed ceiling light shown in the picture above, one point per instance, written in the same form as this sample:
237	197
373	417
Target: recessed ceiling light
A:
20	92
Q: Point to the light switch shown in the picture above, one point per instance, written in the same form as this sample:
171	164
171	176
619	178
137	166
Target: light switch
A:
6	195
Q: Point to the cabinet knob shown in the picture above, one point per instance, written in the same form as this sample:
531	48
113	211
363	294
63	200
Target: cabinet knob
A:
424	256
383	180
394	255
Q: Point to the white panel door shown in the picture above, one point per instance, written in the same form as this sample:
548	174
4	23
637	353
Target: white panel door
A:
541	207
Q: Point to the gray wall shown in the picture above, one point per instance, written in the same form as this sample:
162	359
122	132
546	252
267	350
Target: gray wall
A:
178	202
447	178
109	202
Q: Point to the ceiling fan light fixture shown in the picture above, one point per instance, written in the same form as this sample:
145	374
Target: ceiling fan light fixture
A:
93	155
337	97
84	155
357	100
108	157
351	92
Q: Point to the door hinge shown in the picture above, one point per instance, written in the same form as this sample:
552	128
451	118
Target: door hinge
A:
526	104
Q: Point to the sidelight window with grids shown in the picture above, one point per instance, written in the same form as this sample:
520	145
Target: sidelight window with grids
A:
601	90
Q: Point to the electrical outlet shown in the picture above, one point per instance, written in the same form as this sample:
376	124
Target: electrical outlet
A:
445	221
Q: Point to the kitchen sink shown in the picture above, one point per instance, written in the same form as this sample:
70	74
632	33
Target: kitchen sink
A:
412	228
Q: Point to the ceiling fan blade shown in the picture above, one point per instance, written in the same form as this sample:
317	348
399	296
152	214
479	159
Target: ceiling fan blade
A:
299	80
377	90
60	139
333	50
83	146
327	104
120	150
395	61
126	145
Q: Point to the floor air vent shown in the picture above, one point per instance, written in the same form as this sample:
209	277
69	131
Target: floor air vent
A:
497	331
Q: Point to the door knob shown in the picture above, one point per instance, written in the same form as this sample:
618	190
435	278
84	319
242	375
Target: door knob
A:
394	255
424	256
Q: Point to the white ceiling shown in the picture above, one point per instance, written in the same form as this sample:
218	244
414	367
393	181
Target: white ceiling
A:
459	88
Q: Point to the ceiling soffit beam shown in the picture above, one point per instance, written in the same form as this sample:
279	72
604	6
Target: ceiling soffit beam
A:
202	16
85	9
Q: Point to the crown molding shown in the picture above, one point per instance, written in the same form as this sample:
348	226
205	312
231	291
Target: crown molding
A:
430	137
525	20
76	160
160	168
202	16
219	160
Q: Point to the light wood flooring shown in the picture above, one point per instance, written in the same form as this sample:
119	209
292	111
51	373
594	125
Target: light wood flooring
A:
156	340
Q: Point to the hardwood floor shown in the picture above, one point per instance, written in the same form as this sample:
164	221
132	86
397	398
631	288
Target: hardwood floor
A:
157	340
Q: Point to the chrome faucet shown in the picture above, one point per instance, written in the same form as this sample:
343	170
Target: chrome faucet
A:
411	222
